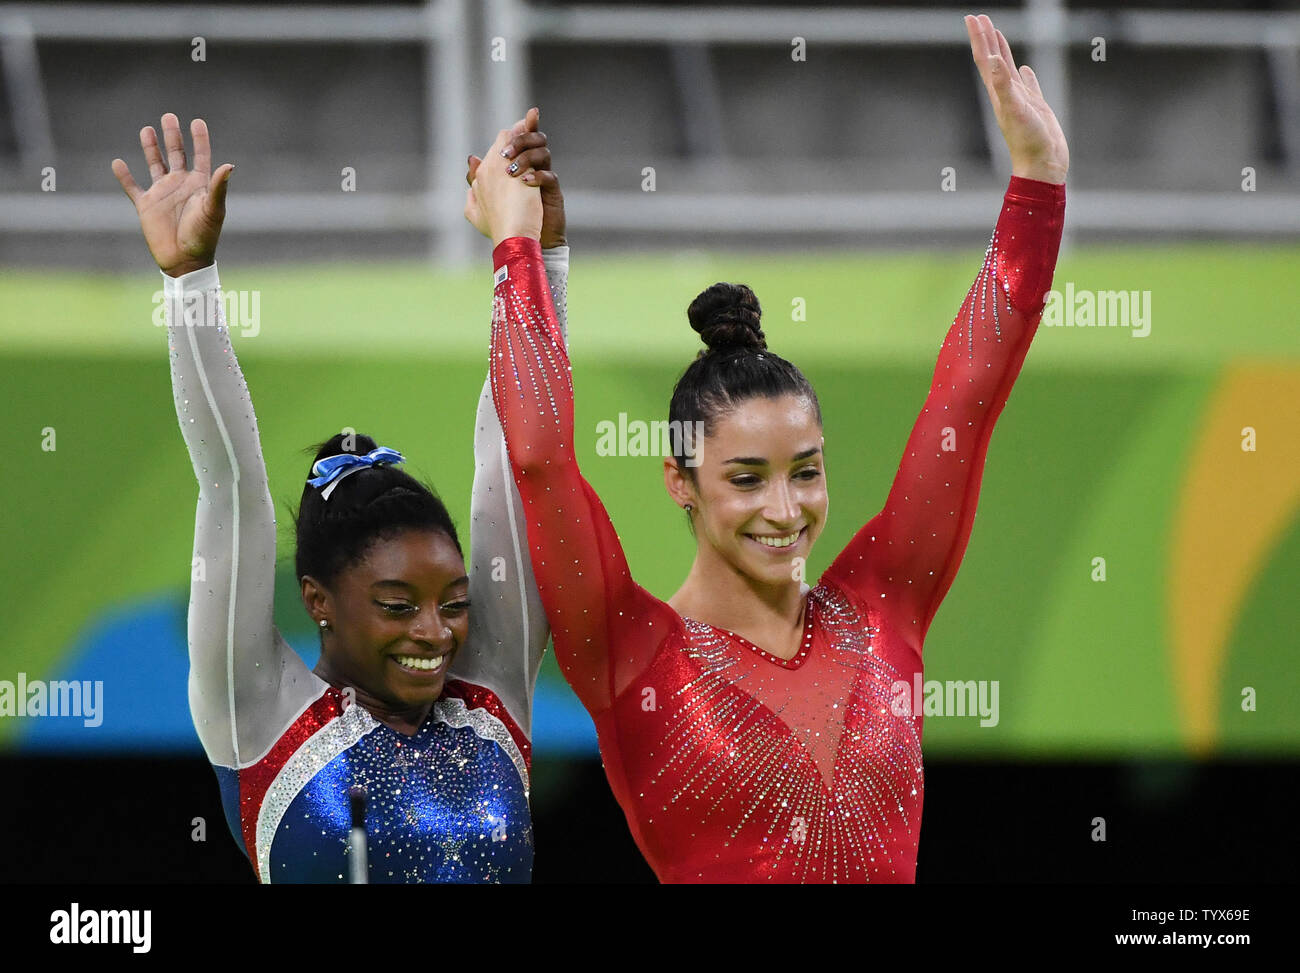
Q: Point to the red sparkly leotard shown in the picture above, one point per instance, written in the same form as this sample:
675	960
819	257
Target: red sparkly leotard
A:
731	764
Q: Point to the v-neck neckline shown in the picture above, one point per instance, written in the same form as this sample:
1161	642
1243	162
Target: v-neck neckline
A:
805	639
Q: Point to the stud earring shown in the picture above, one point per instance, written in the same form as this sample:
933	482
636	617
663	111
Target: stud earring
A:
324	624
689	508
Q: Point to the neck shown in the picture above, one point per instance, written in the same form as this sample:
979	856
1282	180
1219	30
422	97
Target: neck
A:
715	592
406	720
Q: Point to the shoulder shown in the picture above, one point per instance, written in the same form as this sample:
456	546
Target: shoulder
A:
839	604
842	611
466	704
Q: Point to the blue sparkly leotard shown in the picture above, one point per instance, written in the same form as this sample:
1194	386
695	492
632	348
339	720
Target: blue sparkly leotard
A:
448	804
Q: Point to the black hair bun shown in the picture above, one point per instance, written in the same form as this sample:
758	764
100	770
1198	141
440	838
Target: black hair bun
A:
727	316
360	489
356	442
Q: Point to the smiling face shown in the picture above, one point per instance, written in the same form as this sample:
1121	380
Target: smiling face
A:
760	490
397	618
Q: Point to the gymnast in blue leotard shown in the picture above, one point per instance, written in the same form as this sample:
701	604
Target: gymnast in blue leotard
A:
419	698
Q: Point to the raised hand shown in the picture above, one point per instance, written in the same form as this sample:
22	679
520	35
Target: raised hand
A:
1034	137
530	156
504	206
182	210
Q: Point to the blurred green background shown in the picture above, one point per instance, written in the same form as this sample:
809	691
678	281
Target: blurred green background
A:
1111	446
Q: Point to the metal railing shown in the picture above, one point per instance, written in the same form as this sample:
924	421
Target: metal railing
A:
444	29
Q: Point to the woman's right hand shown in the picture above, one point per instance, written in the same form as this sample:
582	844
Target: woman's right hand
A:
530	152
182	211
507	207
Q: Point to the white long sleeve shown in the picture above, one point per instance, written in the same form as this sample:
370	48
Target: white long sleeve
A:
246	683
508	630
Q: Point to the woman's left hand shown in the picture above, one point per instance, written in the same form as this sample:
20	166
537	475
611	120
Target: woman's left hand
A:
1034	136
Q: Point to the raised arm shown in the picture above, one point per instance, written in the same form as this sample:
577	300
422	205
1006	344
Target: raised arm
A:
905	559
508	627
909	553
605	627
245	681
508	630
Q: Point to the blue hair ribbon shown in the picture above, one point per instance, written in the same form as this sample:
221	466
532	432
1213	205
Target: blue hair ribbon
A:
330	470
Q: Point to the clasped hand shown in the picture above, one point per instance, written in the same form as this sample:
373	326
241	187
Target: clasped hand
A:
512	190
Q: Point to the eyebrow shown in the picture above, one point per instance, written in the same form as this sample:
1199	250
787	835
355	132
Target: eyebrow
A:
760	461
393	583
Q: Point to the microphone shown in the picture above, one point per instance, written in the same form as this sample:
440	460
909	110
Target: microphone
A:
358	866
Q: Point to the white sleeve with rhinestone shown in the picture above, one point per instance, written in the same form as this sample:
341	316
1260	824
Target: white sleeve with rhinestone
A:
246	684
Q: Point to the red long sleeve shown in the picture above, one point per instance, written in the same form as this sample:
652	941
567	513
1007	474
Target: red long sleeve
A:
905	559
591	601
730	764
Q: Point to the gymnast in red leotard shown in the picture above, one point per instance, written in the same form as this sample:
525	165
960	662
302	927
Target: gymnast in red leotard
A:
746	724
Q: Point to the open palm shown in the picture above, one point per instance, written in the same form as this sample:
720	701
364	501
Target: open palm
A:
1033	135
182	210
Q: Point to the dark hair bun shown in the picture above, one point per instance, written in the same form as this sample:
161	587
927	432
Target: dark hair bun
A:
355	442
727	316
360	489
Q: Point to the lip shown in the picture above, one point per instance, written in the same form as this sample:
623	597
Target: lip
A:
777	551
